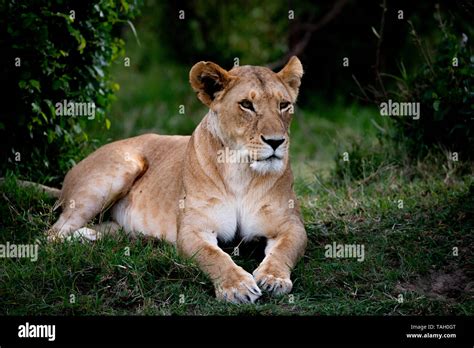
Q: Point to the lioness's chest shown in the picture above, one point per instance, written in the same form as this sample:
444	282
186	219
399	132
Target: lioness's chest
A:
240	210
237	215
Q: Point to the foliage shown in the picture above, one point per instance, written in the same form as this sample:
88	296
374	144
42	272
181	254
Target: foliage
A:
359	162
265	31
215	30
56	50
443	86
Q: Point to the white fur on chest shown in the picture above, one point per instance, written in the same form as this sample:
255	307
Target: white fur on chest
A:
238	211
233	215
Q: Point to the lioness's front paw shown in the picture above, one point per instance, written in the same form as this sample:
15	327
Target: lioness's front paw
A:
238	287
272	282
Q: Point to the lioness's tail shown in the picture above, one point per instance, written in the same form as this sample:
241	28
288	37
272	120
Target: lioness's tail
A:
50	191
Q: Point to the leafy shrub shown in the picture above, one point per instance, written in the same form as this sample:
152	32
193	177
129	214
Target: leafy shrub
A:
252	31
443	86
56	50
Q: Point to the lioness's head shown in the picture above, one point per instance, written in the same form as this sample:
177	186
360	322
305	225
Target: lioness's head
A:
250	109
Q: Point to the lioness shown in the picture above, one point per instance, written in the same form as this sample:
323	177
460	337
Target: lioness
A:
176	189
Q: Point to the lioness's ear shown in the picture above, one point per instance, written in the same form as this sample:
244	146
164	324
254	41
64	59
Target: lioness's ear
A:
291	74
207	79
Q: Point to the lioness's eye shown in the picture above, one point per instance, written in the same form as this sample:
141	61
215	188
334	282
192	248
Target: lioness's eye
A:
284	105
247	104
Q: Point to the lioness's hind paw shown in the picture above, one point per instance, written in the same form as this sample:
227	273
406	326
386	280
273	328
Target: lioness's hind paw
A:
84	233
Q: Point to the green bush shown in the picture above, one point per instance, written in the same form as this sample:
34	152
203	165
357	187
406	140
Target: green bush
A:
56	50
443	86
254	32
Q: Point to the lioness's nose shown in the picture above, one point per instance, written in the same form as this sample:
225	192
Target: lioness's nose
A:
274	142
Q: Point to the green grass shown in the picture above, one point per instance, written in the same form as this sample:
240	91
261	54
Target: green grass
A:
403	248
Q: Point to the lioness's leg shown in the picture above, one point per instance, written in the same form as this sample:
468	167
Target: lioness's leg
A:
282	253
232	283
93	185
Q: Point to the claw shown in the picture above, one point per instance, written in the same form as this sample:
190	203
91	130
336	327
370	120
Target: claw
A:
262	282
254	290
245	290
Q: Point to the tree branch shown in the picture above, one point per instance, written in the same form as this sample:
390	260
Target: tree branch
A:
309	28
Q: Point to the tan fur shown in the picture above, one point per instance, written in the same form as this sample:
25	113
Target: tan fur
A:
176	188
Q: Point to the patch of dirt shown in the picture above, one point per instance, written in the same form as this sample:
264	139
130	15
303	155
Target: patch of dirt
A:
440	284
